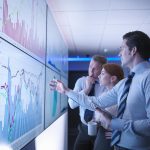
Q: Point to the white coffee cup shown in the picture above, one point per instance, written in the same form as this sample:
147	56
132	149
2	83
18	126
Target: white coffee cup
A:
92	128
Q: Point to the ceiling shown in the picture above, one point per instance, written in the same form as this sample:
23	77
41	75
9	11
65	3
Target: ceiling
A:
96	26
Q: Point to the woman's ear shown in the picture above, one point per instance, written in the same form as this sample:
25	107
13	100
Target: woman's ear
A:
114	79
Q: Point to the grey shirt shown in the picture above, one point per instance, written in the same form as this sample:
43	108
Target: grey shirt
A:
79	87
135	124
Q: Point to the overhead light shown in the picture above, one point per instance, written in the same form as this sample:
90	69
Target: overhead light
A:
105	50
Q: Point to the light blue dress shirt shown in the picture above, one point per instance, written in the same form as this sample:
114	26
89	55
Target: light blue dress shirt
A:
135	124
79	87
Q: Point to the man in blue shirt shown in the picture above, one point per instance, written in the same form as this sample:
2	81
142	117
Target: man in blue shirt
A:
83	140
134	125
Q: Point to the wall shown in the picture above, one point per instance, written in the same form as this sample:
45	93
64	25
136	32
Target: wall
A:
54	137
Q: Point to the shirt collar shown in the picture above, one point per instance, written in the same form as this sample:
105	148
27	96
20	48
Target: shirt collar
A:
141	67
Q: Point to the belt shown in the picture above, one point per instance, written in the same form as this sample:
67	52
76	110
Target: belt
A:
120	148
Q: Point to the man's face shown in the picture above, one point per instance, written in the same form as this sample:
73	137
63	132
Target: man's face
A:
125	55
94	69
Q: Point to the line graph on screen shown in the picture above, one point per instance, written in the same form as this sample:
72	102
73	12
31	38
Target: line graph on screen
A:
21	95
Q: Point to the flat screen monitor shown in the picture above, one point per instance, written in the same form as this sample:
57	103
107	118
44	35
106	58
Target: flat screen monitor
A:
53	58
52	100
23	22
64	98
22	81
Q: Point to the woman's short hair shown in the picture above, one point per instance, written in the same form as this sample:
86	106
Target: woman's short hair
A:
114	70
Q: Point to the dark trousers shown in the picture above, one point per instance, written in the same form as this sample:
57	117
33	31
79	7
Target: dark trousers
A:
83	140
101	143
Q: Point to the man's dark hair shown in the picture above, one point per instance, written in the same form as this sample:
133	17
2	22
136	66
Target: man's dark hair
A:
141	41
100	59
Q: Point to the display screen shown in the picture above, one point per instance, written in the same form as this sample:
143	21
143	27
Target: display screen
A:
52	101
22	80
57	52
53	44
64	98
24	22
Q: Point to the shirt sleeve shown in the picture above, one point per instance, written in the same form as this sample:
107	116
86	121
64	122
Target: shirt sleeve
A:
91	102
139	127
142	127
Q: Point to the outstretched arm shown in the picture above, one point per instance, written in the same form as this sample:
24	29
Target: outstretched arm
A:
89	102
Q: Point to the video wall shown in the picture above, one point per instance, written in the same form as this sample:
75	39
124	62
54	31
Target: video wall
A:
29	59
